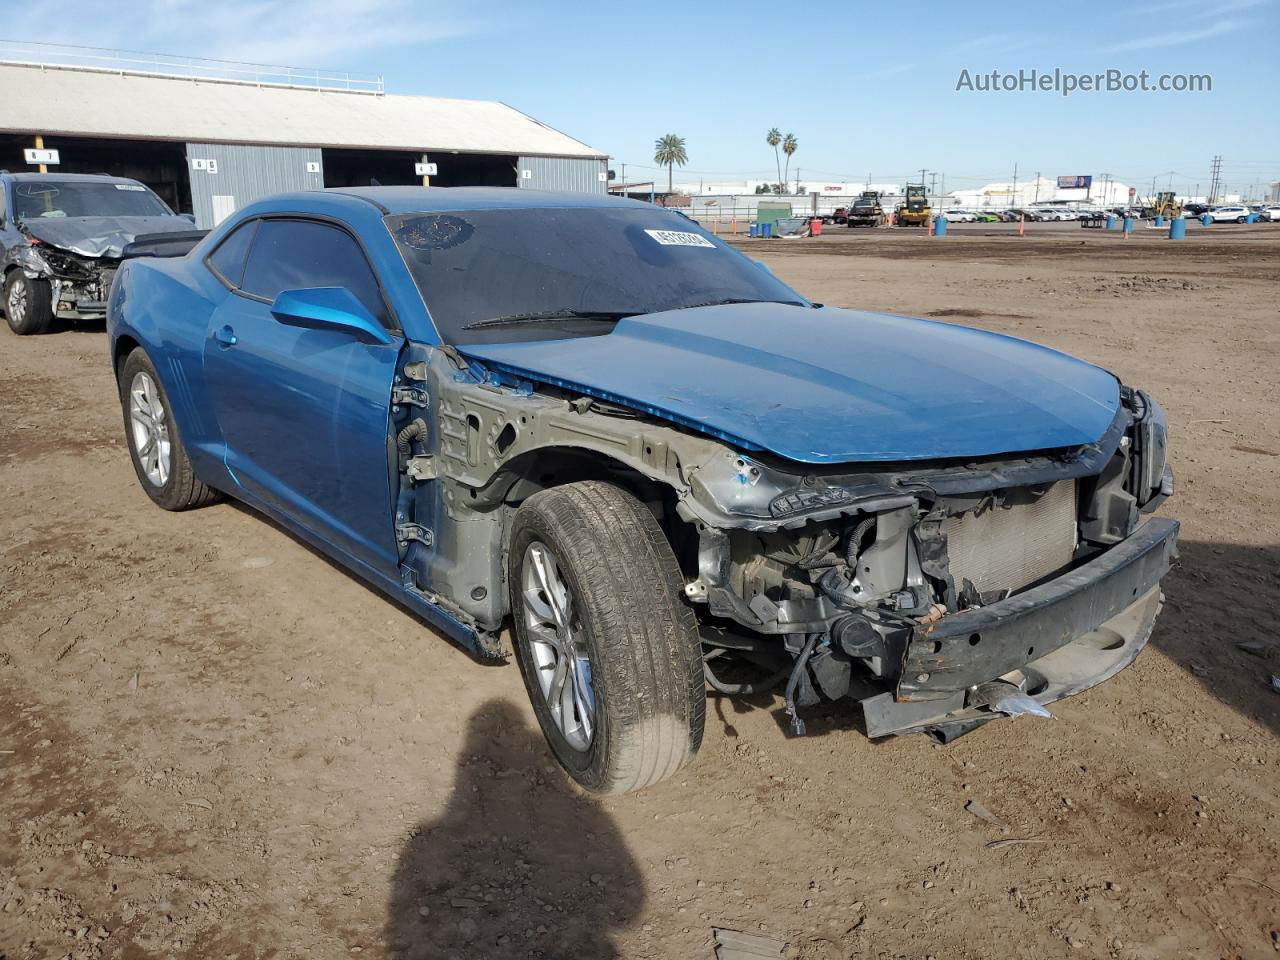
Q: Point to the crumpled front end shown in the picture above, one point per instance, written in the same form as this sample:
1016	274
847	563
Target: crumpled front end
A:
81	284
941	597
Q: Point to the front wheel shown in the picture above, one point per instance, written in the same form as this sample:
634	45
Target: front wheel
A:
610	653
28	303
155	444
1240	219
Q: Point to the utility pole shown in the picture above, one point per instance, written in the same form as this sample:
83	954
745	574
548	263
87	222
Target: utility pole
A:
868	181
1037	199
933	183
1013	194
1215	183
922	173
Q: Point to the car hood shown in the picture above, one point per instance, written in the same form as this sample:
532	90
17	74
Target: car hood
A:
99	236
829	385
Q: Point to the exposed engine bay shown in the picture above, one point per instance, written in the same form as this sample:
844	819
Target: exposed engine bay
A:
937	594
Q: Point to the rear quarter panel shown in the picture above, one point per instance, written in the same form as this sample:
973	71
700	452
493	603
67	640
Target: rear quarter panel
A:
163	306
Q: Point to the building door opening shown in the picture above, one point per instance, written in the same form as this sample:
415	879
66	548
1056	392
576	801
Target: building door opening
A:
362	168
161	165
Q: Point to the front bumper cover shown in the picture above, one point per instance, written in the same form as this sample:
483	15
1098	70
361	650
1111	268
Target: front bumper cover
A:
1052	641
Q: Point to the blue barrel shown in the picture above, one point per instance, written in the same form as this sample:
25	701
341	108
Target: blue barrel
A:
1159	220
1177	228
1206	219
766	229
940	226
1128	224
755	230
1251	218
1111	221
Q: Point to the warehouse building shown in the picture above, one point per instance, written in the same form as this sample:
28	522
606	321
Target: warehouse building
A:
208	145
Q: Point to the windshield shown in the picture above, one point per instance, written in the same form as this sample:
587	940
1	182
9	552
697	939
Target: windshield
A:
551	273
48	199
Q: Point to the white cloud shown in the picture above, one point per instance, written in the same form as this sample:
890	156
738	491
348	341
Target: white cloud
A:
1178	37
308	33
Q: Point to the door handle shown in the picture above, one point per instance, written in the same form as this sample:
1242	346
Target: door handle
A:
226	336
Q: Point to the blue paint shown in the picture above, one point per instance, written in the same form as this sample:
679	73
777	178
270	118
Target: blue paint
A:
329	308
831	385
1177	228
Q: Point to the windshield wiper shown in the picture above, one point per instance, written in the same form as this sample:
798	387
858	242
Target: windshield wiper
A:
725	301
546	316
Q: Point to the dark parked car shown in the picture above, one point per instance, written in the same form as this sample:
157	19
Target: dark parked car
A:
62	237
592	420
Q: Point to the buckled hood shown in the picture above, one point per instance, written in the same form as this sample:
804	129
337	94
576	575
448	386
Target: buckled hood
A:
827	386
99	236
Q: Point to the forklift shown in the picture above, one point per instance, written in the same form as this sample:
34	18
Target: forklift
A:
914	211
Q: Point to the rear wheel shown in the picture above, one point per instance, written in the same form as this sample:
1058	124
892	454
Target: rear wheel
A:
1241	219
155	443
610	653
28	303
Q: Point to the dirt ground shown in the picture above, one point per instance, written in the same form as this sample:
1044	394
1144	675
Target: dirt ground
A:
215	743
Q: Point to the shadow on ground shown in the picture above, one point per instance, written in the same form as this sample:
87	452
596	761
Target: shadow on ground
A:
1220	624
520	864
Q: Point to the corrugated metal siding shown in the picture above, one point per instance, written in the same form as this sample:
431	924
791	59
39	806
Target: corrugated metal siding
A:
564	173
245	174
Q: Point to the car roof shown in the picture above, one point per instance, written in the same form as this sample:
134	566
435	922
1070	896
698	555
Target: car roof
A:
64	177
457	199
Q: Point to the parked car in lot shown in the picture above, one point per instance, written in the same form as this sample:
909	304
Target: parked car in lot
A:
956	215
62	237
592	420
985	216
1232	213
1270	214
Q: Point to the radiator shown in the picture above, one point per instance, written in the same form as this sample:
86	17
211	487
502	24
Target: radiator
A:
1007	548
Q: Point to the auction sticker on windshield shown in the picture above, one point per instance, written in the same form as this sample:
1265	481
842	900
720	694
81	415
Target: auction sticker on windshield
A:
677	238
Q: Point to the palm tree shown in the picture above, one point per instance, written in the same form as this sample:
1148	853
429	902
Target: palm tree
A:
773	138
669	151
789	145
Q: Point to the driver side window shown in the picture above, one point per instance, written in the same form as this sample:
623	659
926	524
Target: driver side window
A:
294	254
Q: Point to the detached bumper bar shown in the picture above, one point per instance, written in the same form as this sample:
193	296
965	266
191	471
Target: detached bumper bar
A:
1057	639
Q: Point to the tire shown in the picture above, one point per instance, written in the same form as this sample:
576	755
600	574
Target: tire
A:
167	477
28	304
633	638
1240	219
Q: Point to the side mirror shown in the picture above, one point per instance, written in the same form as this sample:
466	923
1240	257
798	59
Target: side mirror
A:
329	308
188	216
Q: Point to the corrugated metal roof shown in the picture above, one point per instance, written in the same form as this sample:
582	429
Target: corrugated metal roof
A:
96	103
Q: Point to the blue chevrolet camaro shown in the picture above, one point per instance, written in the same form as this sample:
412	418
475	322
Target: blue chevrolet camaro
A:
590	420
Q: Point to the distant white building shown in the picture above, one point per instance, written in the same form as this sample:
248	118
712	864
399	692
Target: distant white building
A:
824	188
1030	193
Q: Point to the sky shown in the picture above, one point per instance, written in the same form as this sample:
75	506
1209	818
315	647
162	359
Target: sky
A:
867	89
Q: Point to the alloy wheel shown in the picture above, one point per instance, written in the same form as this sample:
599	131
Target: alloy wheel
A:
557	648
150	429
17	305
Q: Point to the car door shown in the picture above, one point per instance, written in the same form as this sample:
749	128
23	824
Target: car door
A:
304	413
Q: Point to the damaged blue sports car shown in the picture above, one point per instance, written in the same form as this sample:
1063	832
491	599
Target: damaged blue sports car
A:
589	420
